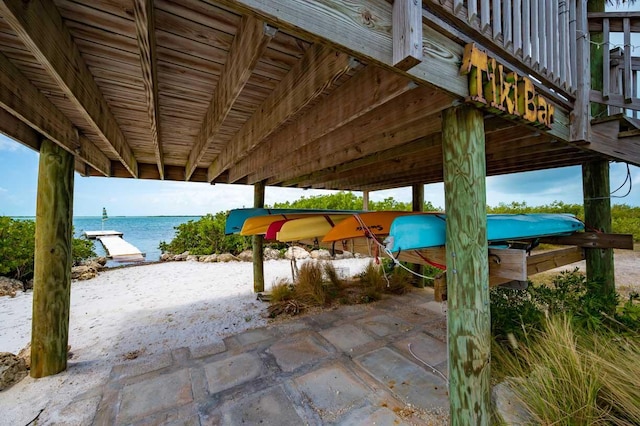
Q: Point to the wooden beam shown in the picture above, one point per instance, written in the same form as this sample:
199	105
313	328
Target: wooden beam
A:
541	262
19	131
40	27
365	200
247	47
592	240
315	72
363	28
364	92
402	120
258	240
467	259
372	162
52	270
23	100
407	33
144	17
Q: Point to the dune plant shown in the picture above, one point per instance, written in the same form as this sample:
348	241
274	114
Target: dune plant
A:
310	287
282	291
566	375
373	282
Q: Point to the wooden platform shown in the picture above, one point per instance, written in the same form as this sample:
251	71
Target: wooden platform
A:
116	247
92	235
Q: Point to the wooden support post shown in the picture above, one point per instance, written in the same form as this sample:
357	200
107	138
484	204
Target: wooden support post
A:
417	205
52	272
595	176
365	200
597	215
258	261
463	148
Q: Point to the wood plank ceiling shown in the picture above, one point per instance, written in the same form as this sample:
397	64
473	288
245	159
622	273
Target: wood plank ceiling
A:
191	90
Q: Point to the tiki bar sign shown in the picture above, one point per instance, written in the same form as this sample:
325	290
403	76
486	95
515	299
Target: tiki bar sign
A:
495	89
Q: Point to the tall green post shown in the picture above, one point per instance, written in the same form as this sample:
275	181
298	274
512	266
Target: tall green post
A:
258	240
469	324
52	272
595	176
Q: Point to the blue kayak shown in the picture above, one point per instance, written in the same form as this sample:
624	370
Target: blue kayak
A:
237	217
428	230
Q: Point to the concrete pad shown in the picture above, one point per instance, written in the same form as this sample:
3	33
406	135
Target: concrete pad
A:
427	348
254	336
405	379
346	337
332	391
232	371
156	394
383	325
272	407
298	350
323	320
370	416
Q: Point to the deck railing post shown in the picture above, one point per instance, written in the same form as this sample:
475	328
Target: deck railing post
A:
469	325
52	272
580	123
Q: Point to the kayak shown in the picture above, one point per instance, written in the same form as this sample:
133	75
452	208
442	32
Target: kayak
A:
429	230
364	225
237	217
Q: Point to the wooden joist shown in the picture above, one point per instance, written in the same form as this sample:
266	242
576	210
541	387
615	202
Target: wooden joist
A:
407	33
593	240
145	30
400	121
23	100
251	40
363	29
364	92
314	73
41	28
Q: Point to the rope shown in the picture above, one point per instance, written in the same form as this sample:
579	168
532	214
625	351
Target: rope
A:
386	251
433	369
627	179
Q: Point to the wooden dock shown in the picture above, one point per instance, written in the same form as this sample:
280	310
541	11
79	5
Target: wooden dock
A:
116	247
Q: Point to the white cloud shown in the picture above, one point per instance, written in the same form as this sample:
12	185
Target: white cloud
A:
7	144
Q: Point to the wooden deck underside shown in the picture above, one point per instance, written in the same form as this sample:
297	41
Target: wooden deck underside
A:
206	92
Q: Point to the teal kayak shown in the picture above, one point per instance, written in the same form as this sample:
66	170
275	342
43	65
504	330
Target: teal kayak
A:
428	230
237	217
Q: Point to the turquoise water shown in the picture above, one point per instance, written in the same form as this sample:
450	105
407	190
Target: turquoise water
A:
144	232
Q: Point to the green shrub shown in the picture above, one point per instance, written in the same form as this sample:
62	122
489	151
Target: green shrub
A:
17	248
205	236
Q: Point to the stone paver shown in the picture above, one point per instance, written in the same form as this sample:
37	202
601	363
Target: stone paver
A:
272	407
383	325
295	351
404	378
156	394
346	337
230	372
348	366
332	390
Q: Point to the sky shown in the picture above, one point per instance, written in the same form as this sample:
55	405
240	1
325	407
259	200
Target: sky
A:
129	197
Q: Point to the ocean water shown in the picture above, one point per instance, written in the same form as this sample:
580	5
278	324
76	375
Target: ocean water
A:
144	232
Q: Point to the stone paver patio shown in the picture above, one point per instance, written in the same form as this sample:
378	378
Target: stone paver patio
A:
348	366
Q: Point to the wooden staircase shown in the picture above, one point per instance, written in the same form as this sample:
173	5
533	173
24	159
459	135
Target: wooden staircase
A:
617	137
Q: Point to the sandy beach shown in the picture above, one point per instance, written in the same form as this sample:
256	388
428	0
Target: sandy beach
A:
130	315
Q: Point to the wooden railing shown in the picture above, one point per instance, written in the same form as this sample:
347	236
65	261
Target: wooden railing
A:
540	34
620	68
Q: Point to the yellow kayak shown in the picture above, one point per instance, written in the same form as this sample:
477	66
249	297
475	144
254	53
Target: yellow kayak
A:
309	227
378	224
259	224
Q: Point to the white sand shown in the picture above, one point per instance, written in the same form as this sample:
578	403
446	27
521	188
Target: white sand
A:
149	310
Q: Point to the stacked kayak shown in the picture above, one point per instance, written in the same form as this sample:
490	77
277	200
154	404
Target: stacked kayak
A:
257	220
429	230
